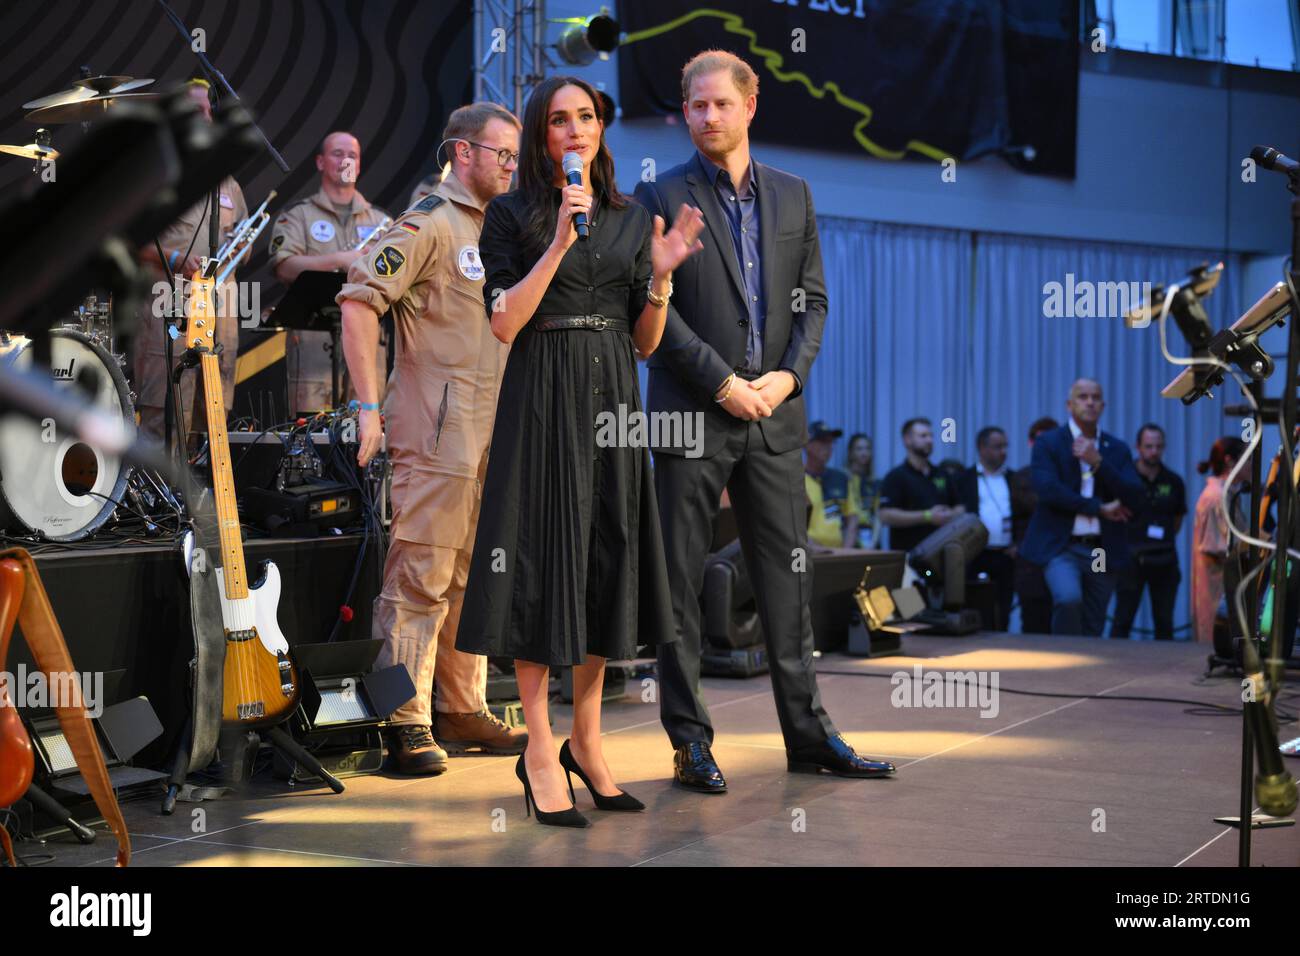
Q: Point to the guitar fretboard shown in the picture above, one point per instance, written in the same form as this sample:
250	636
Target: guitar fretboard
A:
203	321
223	481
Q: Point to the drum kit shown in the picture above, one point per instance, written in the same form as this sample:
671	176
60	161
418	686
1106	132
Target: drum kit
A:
54	486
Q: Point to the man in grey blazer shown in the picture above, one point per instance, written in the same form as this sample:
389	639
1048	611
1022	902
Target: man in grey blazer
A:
744	325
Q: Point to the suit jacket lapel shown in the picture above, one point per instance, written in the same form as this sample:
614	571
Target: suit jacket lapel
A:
706	200
1076	466
767	221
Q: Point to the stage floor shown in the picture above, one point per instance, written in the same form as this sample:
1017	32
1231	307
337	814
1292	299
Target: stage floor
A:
1046	782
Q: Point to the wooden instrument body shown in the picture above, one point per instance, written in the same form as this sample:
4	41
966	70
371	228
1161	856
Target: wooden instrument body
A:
17	760
259	685
23	601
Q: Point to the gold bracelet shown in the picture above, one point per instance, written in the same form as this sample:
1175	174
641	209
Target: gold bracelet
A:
729	383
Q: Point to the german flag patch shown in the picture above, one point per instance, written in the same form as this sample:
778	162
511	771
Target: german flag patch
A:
389	262
413	230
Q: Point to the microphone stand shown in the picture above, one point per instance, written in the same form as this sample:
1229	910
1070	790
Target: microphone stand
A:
1274	787
217	82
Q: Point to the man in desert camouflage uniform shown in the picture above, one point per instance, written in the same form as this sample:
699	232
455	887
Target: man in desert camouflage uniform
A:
439	412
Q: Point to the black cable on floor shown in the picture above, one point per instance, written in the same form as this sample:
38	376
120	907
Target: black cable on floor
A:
1207	709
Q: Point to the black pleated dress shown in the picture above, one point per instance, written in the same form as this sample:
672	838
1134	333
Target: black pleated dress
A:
568	556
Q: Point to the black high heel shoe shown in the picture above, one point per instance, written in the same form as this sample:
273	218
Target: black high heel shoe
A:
560	818
621	801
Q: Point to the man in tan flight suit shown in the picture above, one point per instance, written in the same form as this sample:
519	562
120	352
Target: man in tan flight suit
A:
439	412
184	243
320	234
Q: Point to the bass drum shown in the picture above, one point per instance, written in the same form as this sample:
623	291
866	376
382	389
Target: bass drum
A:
51	482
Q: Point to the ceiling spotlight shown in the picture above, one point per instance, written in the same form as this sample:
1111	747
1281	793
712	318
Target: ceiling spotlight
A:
589	38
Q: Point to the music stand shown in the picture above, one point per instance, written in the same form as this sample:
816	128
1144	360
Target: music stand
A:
309	306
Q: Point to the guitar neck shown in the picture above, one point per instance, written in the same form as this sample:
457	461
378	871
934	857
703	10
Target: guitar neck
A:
223	481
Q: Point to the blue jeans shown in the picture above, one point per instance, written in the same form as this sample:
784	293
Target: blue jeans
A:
1080	595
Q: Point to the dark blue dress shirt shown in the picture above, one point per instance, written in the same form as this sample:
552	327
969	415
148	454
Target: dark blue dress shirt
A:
741	207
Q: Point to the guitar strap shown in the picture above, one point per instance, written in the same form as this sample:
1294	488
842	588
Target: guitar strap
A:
206	669
41	630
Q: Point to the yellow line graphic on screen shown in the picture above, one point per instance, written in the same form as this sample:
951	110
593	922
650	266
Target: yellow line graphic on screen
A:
773	60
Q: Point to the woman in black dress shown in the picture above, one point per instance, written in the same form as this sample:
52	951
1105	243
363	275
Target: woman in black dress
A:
568	566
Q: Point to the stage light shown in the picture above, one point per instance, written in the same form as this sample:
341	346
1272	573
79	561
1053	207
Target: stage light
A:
344	701
589	38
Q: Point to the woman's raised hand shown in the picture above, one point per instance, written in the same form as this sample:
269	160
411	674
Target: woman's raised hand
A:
671	249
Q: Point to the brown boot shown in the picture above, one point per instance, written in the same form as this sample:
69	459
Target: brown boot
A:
461	733
412	750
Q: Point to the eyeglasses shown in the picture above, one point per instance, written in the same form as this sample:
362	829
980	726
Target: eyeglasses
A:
504	156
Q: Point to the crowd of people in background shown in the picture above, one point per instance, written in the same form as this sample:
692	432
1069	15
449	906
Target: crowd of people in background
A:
1075	538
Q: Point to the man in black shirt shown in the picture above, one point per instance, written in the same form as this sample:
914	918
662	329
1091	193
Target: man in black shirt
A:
1152	533
916	497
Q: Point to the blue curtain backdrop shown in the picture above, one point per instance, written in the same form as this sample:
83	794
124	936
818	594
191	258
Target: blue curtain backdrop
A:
949	325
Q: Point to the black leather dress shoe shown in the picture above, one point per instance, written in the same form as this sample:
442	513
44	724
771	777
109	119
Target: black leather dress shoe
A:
834	755
694	769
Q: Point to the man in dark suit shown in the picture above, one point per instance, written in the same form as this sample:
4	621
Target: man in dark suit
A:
744	325
1087	488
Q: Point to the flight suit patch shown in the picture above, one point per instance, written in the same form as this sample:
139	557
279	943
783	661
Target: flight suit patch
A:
389	262
469	263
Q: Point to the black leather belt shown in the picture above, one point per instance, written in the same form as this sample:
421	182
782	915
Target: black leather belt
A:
1087	540
598	323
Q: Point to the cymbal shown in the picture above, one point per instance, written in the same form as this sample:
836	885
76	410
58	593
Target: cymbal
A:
77	111
31	151
87	100
90	86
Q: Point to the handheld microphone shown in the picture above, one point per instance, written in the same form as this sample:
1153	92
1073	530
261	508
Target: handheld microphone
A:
1270	158
572	165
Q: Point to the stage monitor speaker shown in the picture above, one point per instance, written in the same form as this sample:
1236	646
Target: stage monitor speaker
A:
729	614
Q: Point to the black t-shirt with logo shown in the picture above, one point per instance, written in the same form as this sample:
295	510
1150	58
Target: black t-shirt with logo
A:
907	489
1152	528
